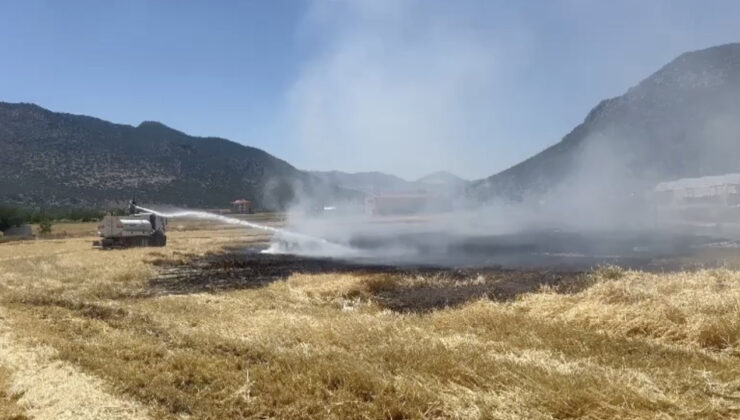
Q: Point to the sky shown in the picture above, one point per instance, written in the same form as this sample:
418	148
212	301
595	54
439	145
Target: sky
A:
406	87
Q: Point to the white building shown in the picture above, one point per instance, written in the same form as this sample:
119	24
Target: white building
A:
723	190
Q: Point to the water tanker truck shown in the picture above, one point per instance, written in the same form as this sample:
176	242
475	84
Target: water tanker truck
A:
136	229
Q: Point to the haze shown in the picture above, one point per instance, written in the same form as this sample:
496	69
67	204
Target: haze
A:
405	87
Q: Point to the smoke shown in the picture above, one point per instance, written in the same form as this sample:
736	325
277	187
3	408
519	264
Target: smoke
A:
591	197
412	87
401	86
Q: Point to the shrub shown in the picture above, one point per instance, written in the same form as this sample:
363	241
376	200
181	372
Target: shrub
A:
45	227
10	217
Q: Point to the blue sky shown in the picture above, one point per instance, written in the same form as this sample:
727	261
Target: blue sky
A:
402	86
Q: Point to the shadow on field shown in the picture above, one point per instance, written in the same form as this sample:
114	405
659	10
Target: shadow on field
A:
441	286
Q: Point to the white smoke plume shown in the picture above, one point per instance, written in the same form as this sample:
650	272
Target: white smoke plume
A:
412	87
404	87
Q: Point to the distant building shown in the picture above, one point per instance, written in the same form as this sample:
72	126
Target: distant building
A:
714	190
241	206
706	202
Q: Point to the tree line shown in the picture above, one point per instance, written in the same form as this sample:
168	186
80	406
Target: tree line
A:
15	216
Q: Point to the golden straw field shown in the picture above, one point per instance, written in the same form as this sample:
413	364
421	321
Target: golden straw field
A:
83	334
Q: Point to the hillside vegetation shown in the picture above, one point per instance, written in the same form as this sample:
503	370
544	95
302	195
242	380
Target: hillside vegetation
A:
623	344
64	160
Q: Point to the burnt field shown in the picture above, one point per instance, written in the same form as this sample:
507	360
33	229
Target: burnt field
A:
456	270
443	286
466	242
542	249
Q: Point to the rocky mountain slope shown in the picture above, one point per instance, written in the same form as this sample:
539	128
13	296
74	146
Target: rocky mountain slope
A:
682	121
56	159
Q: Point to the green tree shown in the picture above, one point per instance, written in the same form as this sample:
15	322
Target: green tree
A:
10	217
45	227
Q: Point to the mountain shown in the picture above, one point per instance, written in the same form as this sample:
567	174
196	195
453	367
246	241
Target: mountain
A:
442	178
682	121
441	182
366	182
56	159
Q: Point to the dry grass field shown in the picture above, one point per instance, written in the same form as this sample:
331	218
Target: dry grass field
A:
85	334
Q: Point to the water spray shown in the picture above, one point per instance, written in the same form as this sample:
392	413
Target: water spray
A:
287	240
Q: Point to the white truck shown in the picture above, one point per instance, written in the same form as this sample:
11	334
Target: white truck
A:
136	229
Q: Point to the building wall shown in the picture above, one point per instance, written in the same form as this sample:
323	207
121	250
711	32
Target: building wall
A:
699	205
726	194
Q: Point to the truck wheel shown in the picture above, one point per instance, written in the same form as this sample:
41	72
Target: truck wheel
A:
158	239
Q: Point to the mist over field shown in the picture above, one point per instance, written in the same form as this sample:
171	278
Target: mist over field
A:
599	181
